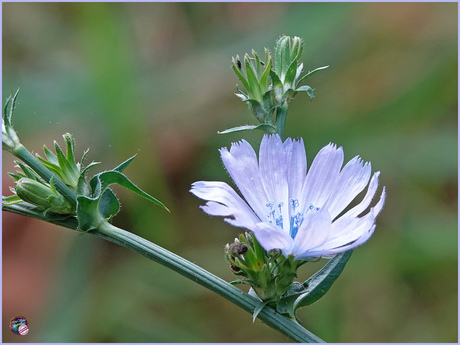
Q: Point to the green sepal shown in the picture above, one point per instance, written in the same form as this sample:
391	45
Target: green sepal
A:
308	89
264	127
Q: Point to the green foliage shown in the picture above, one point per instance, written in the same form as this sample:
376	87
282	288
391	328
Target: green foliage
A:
153	77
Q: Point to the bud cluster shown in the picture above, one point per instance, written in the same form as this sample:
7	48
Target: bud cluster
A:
271	84
270	274
32	188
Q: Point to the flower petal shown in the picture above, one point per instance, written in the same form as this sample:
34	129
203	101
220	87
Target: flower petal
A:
296	162
273	237
352	180
273	173
313	232
361	240
361	207
241	163
322	176
239	218
222	193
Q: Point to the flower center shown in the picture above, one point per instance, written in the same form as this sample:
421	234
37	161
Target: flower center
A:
296	216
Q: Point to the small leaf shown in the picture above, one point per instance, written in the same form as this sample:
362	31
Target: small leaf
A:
258	309
239	74
264	127
310	73
107	178
286	303
265	74
319	283
50	156
87	213
258	110
240	281
253	83
62	159
108	204
308	89
11	200
123	165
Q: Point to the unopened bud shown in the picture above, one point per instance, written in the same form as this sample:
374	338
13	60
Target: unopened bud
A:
42	195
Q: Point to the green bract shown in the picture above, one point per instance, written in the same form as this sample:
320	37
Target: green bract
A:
57	183
271	84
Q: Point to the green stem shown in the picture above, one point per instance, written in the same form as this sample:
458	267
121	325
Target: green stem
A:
281	119
184	267
23	154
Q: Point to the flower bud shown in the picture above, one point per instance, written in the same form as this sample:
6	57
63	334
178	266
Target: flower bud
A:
42	195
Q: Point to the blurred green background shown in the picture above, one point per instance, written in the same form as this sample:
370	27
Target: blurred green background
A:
155	79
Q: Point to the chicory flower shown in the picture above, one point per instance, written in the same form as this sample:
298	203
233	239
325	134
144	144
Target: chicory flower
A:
301	214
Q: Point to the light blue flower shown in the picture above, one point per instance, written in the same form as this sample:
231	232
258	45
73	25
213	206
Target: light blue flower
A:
301	214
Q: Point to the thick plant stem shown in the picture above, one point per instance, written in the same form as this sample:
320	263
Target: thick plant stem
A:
184	267
23	154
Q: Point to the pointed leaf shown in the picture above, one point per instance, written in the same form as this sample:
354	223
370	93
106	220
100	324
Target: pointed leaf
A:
253	82
70	147
107	178
62	159
258	65
320	283
123	165
265	74
258	309
264	127
240	75
286	303
50	156
11	200
310	73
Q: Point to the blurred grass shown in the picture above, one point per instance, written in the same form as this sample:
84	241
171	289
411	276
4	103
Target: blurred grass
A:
155	79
